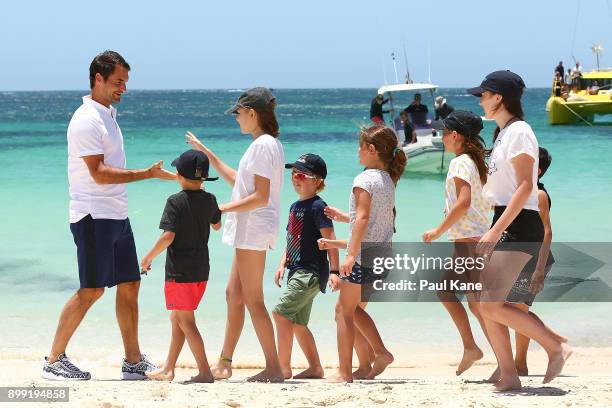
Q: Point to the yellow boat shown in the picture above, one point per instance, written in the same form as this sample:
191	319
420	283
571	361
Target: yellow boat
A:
582	102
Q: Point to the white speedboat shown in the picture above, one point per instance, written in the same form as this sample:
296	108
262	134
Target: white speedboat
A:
427	154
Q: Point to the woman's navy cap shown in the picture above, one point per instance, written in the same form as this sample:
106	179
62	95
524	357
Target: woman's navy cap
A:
465	123
505	83
193	165
311	163
255	98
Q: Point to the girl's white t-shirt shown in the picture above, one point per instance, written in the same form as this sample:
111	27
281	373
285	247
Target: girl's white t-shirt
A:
257	229
474	223
516	139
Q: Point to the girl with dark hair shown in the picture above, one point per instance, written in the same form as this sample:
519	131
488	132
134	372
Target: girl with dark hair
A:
251	226
371	219
467	217
517	231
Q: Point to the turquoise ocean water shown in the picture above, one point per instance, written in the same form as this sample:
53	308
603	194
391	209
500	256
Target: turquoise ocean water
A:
38	258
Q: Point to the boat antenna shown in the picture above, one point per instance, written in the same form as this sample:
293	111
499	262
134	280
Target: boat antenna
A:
394	67
597	50
574	35
406	64
382	61
429	62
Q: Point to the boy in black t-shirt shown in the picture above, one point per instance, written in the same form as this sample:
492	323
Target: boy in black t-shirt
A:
308	266
186	222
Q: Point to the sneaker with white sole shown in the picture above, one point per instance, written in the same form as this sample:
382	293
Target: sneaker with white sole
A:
63	370
136	371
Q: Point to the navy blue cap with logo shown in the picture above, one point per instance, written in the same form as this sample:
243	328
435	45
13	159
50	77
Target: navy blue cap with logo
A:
193	165
465	123
310	163
505	82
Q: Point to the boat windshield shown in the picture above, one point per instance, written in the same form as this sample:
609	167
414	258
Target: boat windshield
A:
602	83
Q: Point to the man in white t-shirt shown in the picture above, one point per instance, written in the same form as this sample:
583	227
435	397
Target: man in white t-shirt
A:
98	219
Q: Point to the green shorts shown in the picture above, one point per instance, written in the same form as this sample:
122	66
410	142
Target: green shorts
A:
295	302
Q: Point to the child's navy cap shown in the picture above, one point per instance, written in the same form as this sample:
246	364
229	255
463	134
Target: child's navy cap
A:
465	123
193	165
505	83
311	163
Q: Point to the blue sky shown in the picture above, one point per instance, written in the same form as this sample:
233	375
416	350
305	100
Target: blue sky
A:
289	44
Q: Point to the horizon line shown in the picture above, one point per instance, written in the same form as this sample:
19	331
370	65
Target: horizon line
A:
226	89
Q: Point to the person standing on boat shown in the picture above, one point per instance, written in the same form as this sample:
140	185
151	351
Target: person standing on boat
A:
442	108
409	132
376	109
417	111
560	70
577	71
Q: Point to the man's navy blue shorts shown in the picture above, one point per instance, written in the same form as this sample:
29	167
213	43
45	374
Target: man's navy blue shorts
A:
106	252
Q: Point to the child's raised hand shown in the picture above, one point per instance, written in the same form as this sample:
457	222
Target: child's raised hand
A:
335	214
278	276
334	282
323	244
192	140
431	235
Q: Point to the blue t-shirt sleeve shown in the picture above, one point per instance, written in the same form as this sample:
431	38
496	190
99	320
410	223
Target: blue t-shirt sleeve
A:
320	219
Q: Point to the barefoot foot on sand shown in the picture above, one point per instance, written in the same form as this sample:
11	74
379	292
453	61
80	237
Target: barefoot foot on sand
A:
200	378
160	375
508	385
287	373
267	375
310	372
339	378
470	356
495	377
222	370
381	362
361	373
556	363
522	370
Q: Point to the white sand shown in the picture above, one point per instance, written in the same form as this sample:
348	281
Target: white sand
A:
430	381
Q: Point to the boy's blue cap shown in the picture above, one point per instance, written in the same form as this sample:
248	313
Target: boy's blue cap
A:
311	163
193	165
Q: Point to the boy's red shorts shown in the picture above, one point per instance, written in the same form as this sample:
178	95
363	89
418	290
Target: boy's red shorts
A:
183	296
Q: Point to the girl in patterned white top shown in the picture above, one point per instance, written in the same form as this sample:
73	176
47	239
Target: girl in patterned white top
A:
371	218
466	218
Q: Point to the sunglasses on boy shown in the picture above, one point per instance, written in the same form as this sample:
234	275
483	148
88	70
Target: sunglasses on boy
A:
302	176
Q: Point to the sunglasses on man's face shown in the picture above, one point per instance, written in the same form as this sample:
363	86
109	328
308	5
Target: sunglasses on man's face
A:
302	176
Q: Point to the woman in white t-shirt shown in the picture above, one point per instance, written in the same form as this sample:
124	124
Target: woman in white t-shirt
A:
517	230
466	218
251	226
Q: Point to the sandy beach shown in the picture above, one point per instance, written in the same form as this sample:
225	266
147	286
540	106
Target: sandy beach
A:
429	381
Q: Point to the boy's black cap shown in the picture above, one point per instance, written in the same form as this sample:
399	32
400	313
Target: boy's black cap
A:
463	122
311	163
255	98
505	83
193	165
